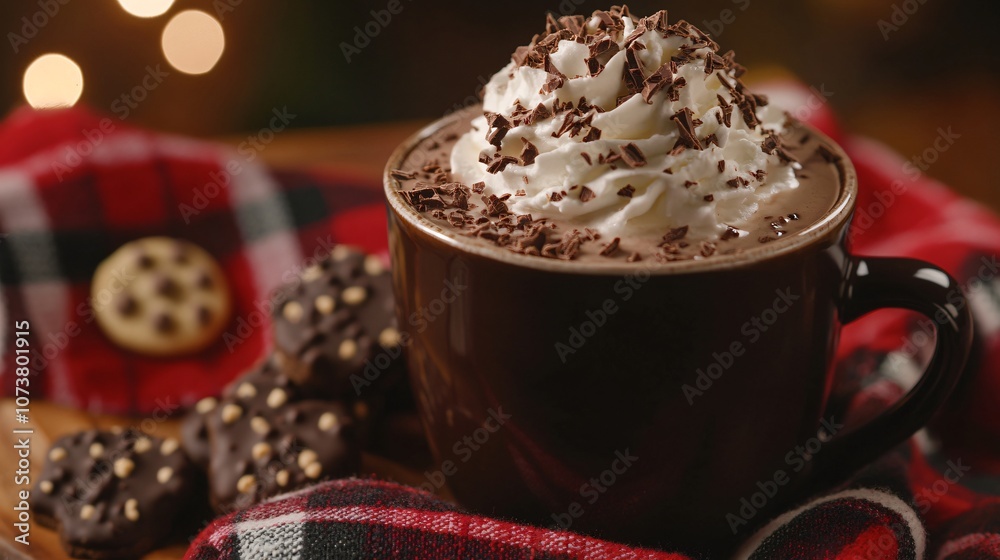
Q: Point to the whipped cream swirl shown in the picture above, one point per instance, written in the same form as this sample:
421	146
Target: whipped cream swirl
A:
627	127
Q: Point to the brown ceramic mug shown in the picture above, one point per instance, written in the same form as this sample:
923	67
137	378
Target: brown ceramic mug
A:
669	414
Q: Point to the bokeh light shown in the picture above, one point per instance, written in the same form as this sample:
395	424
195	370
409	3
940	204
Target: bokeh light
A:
53	80
146	8
193	42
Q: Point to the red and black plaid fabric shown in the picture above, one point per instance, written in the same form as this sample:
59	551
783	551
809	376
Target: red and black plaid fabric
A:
76	186
372	519
938	496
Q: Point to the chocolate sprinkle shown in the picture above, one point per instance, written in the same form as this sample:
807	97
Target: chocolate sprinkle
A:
611	248
633	156
730	233
676	234
401	175
686	124
627	191
528	153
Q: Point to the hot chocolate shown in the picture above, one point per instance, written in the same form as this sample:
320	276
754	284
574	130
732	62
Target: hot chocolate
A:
619	139
630	258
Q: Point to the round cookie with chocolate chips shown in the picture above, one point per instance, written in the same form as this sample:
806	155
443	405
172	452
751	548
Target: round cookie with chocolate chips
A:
264	441
336	329
113	495
161	297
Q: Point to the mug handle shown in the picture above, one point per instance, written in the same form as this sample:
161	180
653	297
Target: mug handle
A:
879	283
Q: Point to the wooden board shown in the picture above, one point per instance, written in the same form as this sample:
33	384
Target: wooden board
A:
51	422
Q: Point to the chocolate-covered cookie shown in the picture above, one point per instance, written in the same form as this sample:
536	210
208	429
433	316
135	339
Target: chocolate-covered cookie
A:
336	329
264	441
194	426
113	495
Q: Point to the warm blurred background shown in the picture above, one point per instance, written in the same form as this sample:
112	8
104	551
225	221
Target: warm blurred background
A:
897	70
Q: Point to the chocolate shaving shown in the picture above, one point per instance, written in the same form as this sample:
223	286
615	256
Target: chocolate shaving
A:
709	198
540	113
726	116
611	248
601	53
528	153
400	175
495	206
633	156
663	77
498	163
686	124
730	233
657	22
586	195
627	191
676	234
673	92
722	165
827	154
498	128
634	76
554	82
593	134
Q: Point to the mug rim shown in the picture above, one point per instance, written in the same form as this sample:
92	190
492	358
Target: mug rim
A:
840	213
